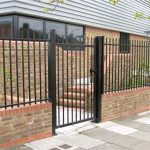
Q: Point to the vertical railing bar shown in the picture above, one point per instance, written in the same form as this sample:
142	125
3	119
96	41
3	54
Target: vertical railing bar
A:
121	64
45	64
58	97
67	86
109	64
10	59
88	68
80	78
29	73
63	86
106	66
129	69
141	64
34	55
40	71
115	64
132	68
145	45
72	58
23	81
127	65
118	51
16	43
135	52
116	41
84	59
112	73
148	60
146	79
92	82
76	72
137	63
4	74
139	67
124	67
148	66
145	64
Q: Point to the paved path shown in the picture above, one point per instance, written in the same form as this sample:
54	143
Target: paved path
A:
127	134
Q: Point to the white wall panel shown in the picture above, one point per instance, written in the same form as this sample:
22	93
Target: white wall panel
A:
95	13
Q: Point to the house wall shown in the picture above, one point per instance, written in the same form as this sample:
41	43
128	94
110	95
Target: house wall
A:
25	124
96	13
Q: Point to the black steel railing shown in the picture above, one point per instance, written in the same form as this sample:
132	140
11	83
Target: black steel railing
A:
23	71
126	69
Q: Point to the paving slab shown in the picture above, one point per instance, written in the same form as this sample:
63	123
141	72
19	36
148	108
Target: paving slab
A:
145	128
130	123
144	120
99	133
45	144
109	146
141	135
142	146
144	113
123	130
20	147
124	141
82	141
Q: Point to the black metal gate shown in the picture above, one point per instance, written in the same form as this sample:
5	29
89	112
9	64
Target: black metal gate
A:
76	78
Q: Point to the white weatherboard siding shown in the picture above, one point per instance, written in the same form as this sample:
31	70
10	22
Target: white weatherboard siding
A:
95	13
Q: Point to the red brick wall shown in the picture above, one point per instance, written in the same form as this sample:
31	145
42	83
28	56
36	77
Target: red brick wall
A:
125	103
24	124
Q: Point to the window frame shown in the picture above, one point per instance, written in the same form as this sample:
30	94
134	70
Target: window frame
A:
12	24
15	23
32	18
124	43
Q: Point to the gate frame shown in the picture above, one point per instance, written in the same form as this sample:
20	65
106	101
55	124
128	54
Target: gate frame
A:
52	76
98	74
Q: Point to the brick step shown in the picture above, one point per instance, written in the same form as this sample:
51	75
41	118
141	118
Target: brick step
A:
71	103
75	96
82	89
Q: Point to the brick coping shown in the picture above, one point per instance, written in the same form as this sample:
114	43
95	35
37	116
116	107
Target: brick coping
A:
22	109
126	92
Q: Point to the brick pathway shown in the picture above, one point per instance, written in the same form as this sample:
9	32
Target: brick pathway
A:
127	134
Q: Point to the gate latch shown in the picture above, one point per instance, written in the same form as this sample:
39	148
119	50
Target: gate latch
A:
93	70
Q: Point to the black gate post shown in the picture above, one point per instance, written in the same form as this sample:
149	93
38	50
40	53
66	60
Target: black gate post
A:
99	76
52	76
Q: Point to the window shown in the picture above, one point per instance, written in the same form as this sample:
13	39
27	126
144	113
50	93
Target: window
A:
30	28
124	42
6	27
59	29
75	34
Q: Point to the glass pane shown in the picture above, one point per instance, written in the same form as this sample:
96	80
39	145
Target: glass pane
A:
124	42
59	29
30	28
75	34
6	27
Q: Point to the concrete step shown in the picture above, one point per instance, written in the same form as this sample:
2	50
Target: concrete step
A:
71	103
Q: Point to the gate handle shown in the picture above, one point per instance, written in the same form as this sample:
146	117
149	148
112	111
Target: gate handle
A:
93	70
